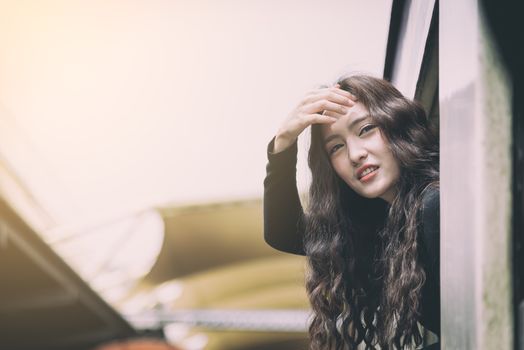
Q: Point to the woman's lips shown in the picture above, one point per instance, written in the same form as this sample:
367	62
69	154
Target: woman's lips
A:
368	177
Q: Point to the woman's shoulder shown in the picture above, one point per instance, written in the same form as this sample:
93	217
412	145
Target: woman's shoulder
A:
430	215
431	194
431	198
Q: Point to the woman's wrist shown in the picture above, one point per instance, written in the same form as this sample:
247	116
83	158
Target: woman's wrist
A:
282	143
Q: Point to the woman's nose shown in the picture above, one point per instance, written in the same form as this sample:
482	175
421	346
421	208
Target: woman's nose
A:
356	153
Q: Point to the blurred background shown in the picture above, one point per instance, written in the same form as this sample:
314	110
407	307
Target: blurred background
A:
133	142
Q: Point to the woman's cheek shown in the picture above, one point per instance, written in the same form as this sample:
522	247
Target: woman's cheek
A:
344	172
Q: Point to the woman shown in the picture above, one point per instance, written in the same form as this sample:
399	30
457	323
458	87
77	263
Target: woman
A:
371	230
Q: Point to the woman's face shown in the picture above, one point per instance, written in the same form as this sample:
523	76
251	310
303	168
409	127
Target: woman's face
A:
360	154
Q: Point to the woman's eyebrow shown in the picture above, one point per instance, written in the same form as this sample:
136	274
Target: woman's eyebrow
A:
329	138
358	120
351	125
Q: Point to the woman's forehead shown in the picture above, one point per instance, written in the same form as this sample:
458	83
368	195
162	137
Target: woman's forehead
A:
355	114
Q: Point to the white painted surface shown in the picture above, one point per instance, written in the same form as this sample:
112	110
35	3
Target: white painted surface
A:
111	107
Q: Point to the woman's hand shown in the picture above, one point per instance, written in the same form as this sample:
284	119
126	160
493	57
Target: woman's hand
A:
319	106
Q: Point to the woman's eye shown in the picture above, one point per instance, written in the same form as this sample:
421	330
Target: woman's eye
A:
366	129
335	148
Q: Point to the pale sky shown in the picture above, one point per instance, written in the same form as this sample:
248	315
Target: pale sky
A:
111	107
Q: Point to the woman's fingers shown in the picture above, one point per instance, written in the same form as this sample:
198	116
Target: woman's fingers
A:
324	105
328	99
318	118
332	114
334	89
332	94
344	93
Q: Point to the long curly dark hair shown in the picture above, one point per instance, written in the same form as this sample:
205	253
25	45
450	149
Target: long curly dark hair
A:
364	280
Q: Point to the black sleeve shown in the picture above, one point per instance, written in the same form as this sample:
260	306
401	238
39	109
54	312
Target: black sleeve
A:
430	258
431	225
282	209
